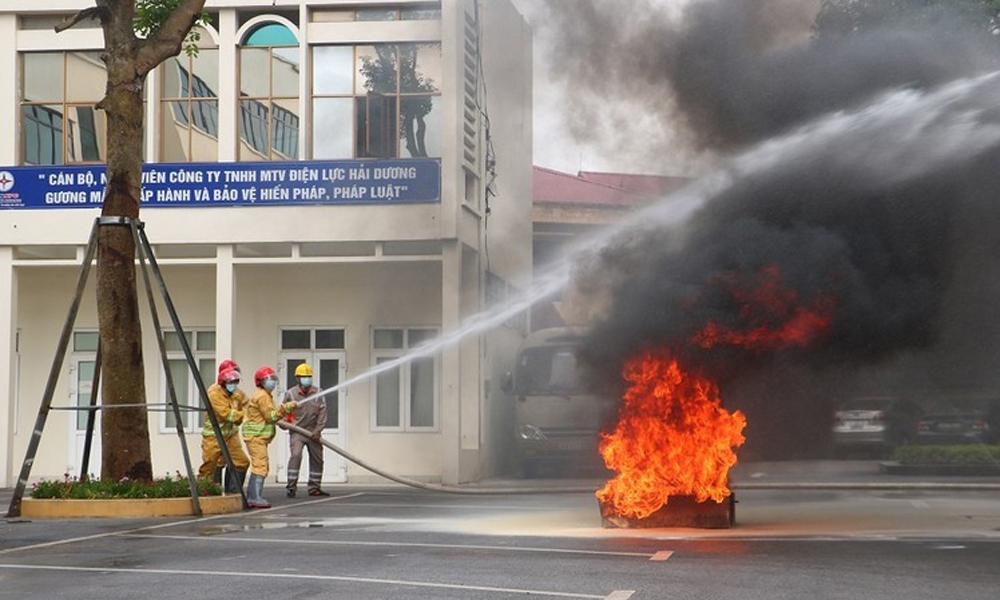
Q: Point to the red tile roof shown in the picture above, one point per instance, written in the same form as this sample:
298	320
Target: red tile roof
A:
601	189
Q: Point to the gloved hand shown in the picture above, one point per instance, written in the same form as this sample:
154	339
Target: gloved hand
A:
238	417
316	436
289	406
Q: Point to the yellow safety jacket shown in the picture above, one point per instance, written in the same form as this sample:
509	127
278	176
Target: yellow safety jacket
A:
228	409
261	415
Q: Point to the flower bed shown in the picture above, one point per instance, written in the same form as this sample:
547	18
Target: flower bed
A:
70	498
93	489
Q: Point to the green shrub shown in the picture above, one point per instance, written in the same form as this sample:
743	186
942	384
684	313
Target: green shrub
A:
963	454
99	489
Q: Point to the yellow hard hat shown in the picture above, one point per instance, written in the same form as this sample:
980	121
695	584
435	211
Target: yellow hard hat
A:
303	370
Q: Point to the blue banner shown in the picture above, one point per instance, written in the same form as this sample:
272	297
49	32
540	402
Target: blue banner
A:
328	183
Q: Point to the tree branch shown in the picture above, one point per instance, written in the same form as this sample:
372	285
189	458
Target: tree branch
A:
94	12
167	41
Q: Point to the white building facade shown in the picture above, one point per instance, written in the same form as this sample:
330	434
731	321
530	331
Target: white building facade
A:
325	181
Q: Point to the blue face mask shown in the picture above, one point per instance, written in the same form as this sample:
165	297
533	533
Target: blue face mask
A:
269	384
230	387
305	381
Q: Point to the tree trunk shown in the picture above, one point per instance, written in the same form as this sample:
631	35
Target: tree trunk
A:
125	431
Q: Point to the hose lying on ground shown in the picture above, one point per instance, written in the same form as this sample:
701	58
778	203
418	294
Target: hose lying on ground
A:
431	486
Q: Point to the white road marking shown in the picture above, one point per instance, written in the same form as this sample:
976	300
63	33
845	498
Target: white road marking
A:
171	524
662	555
245	574
58	542
619	595
394	544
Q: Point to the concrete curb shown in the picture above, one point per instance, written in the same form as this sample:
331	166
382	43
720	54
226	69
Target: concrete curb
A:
896	468
121	507
845	486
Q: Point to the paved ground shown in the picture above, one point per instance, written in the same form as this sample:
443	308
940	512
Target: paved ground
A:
823	530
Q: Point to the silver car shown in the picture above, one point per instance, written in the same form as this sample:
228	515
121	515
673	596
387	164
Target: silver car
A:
876	423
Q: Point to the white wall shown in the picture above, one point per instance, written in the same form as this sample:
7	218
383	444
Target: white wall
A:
438	287
356	297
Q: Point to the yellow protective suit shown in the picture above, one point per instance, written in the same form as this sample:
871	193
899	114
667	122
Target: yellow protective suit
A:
229	410
258	429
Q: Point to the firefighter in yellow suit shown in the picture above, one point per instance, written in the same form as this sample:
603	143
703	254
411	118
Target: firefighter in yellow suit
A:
228	403
258	432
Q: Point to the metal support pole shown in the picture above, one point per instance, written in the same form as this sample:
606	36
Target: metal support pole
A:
192	481
190	358
14	510
95	384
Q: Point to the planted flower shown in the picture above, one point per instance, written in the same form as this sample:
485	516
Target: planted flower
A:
71	488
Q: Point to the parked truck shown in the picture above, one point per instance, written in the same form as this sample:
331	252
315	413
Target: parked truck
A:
557	419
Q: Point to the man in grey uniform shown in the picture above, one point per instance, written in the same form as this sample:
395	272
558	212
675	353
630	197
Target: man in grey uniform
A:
311	416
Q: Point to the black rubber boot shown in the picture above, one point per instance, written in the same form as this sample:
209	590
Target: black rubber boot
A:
241	476
217	476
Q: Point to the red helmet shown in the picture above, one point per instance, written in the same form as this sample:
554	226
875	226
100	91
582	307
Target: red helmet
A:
262	374
228	364
229	376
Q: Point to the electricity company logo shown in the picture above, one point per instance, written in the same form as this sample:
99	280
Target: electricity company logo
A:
6	181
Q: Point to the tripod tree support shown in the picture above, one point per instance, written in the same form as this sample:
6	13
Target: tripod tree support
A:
144	251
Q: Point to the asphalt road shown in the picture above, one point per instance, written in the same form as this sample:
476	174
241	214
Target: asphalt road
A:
391	542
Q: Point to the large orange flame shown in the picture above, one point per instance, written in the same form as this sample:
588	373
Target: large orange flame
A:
673	438
773	315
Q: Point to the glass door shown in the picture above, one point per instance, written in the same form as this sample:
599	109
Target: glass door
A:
81	381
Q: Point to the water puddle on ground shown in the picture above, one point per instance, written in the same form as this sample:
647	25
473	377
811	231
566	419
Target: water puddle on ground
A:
231	528
351	523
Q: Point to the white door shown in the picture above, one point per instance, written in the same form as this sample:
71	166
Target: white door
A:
329	369
81	381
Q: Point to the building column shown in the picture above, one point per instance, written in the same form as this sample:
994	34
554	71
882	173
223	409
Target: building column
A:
451	320
470	352
8	363
225	303
228	94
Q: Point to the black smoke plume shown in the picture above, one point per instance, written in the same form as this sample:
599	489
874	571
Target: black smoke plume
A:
734	73
866	175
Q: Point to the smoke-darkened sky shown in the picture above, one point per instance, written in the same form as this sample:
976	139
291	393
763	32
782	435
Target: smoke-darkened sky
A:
862	168
621	82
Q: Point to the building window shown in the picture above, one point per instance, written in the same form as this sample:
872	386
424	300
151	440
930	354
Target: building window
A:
202	344
269	94
189	106
405	396
428	12
59	121
376	101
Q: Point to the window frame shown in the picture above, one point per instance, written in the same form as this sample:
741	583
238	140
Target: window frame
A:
195	418
252	108
405	398
195	110
62	151
388	141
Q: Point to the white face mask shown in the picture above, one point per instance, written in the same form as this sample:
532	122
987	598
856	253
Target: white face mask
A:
230	387
305	381
269	384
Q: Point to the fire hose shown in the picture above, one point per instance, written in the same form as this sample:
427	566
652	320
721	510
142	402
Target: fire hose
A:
431	486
